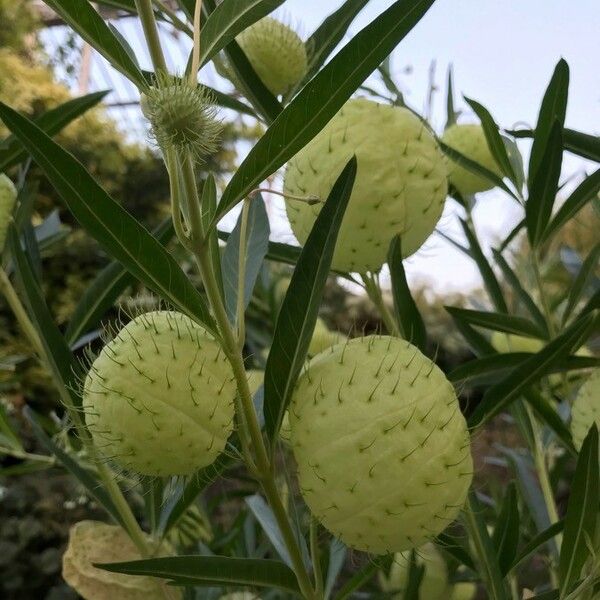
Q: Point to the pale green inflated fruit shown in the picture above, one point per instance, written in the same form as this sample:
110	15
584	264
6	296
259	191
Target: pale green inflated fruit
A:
400	186
323	338
464	590
276	52
434	585
159	398
382	449
8	197
94	542
509	342
470	141
243	595
586	408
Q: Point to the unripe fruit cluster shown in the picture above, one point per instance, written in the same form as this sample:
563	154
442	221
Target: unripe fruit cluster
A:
400	187
159	399
382	449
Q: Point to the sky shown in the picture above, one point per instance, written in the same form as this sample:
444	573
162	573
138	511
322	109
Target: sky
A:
503	53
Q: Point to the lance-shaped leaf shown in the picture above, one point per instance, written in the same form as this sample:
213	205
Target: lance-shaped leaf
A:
530	371
212	571
52	121
582	281
506	532
409	318
539	540
582	514
116	230
298	313
496	321
86	21
322	98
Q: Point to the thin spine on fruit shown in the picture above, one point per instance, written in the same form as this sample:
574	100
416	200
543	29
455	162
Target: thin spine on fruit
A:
400	187
159	399
383	451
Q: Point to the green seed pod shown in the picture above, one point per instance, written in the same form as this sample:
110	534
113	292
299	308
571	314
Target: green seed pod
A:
464	590
182	116
243	595
434	585
586	408
323	338
509	342
470	141
382	449
276	53
8	197
159	399
94	542
400	187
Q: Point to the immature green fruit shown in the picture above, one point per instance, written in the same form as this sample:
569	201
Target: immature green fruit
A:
323	338
94	542
464	590
243	595
470	141
8	196
509	342
276	53
400	186
382	449
434	585
586	408
158	400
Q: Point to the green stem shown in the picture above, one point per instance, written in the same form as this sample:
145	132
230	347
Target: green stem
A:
146	13
241	283
374	292
315	556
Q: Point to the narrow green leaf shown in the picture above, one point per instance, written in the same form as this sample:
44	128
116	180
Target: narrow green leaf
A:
516	160
512	235
409	318
496	321
298	313
522	294
88	479
486	555
337	559
256	247
208	202
503	393
582	514
363	576
487	273
104	291
228	19
211	571
451	112
506	532
60	359
586	191
454	546
322	98
230	102
554	108
120	234
8	437
494	139
85	20
544	187
329	34
584	145
538	541
478	343
581	282
415	577
476	168
51	122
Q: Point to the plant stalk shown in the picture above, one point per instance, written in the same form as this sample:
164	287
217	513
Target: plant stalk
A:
373	290
146	13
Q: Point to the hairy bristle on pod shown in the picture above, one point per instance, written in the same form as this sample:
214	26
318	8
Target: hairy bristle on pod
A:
400	186
382	448
182	116
159	398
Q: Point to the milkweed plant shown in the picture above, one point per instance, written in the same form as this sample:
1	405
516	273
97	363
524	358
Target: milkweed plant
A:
351	458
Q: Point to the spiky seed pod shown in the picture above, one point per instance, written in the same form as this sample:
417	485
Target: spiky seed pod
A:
94	542
400	187
382	449
434	585
276	53
470	141
182	116
586	408
242	595
159	398
8	197
323	338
